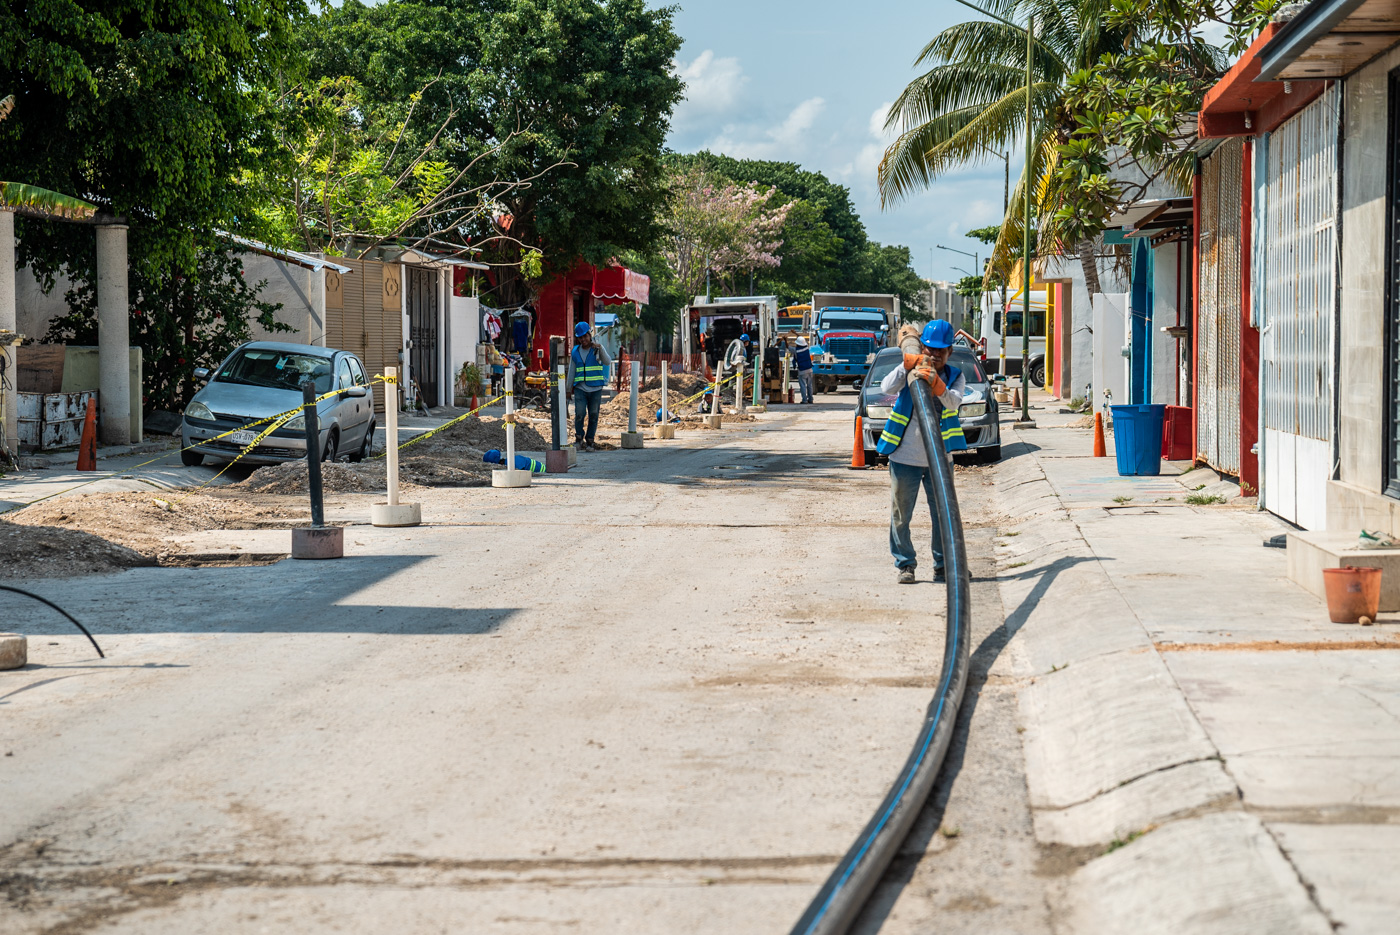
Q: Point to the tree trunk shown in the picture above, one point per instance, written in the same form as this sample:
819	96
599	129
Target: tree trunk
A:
1090	262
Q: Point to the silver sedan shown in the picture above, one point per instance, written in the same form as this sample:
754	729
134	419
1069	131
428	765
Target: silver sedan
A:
263	379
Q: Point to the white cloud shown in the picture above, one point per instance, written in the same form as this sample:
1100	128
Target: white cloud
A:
877	122
712	86
787	140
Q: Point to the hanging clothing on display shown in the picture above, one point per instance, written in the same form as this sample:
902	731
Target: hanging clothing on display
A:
521	325
490	323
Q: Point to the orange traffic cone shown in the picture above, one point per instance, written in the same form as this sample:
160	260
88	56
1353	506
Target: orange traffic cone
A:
1016	399
858	452
87	447
473	405
1100	450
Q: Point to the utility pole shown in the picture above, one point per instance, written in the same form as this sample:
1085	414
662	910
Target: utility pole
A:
1026	241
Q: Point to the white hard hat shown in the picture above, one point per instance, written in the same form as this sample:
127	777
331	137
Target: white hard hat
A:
801	342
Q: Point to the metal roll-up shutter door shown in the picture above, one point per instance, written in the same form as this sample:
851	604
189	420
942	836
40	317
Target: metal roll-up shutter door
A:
1218	340
1297	287
1227	324
1208	310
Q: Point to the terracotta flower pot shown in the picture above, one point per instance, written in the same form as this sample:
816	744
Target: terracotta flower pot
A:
1352	593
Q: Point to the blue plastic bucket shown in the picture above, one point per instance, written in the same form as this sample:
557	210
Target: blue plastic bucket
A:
1137	439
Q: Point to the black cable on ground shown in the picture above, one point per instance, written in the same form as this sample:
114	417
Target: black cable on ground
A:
845	892
44	600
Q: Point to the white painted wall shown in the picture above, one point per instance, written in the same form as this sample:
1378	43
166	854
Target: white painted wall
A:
1110	367
464	330
302	294
1171	294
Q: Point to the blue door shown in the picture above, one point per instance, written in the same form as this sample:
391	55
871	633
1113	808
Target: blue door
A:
1140	315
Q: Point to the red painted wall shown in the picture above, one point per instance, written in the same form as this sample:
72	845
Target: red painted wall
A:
554	311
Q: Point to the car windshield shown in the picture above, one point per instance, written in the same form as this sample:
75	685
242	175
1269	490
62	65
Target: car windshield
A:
851	323
969	365
283	370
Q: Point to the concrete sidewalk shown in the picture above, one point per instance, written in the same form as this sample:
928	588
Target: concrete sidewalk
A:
1226	757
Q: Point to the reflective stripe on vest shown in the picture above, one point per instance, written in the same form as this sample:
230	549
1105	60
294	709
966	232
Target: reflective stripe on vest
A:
897	422
589	374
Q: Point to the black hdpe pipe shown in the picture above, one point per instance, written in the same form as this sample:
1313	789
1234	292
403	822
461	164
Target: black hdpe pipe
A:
836	906
71	618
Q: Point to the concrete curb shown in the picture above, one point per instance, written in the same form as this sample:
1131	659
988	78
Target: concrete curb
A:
1113	750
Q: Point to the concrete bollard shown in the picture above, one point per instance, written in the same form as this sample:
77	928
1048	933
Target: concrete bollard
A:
393	513
633	438
14	651
664	428
739	389
510	476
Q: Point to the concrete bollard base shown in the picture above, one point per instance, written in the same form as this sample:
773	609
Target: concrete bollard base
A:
714	422
662	430
631	439
311	542
510	478
761	407
14	651
572	452
398	514
556	462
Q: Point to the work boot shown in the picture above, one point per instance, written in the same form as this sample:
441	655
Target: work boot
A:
938	575
906	576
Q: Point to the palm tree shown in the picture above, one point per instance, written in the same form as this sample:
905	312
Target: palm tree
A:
32	201
973	98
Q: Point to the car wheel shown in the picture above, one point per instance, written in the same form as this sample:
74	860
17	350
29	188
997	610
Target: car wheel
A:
191	458
331	442
366	446
1038	374
989	455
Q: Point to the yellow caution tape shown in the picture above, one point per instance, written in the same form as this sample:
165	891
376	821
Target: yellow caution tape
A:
446	425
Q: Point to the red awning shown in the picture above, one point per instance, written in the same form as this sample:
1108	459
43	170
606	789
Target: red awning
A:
1240	105
618	285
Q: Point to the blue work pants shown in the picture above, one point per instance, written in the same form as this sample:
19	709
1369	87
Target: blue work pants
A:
905	480
586	401
805	379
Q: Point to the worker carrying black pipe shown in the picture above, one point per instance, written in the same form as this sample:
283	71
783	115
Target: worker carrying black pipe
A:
926	358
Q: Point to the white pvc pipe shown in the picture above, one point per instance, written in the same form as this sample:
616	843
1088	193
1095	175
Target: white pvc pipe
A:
739	388
562	374
510	421
391	431
665	413
632	405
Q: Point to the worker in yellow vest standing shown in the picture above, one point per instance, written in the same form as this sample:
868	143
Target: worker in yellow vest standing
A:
588	373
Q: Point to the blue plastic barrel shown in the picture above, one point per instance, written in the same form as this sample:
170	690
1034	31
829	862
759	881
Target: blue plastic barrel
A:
1137	439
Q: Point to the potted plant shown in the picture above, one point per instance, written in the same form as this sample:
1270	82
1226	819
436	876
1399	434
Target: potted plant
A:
468	384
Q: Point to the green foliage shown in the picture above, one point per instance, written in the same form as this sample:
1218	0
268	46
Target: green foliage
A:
825	247
146	110
576	94
970	287
180	321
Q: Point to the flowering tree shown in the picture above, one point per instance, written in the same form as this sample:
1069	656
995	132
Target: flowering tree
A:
721	228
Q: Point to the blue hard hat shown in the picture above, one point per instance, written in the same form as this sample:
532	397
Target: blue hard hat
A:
744	337
582	328
937	334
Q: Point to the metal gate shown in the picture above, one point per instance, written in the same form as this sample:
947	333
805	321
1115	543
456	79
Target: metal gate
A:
423	329
1217	398
1298	292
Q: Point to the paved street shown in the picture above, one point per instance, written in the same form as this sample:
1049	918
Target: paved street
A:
663	692
660	693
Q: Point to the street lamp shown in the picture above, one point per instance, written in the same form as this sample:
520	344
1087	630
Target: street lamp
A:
1026	230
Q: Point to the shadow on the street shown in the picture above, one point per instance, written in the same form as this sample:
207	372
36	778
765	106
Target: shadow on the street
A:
289	597
930	820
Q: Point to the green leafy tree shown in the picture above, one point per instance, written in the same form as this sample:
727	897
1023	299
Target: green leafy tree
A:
148	111
575	95
183	321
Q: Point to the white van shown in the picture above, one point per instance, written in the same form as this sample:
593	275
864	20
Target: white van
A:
992	334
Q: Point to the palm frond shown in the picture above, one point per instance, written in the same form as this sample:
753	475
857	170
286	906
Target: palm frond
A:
7	104
16	196
1011	237
936	146
953	87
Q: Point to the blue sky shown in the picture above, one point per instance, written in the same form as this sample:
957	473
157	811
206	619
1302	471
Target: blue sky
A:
809	81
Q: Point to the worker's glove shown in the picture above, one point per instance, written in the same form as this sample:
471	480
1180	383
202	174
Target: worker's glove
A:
930	376
911	361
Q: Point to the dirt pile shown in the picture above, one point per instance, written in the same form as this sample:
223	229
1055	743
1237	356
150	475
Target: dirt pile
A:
679	384
481	434
48	552
103	532
293	477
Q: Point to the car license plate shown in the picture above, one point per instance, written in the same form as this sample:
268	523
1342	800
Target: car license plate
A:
242	438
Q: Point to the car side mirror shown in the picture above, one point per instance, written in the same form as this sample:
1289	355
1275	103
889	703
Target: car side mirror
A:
201	373
357	392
